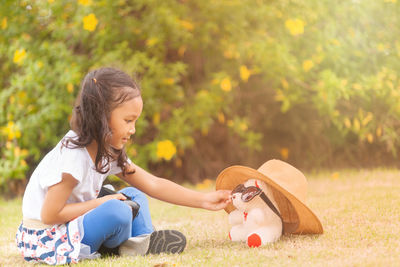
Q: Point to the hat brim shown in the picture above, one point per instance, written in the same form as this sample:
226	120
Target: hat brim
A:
297	217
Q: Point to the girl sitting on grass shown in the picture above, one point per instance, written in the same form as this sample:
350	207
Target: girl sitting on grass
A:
64	220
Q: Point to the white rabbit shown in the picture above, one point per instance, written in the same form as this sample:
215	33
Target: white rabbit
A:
253	220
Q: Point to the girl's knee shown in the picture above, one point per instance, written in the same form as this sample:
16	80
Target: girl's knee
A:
133	193
117	211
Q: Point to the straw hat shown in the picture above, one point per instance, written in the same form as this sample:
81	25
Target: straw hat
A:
289	186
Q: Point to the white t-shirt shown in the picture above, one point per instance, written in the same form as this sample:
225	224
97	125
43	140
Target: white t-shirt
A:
75	161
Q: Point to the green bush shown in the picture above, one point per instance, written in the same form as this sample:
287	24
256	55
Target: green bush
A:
302	80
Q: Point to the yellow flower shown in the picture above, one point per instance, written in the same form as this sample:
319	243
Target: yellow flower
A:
70	88
24	152
50	1
186	24
228	54
347	122
357	86
226	84
169	81
8	145
151	41
307	65
137	31
90	22
221	117
207	183
21	95
231	52
370	138
85	2
335	175
367	119
11	130
379	132
4	23
19	56
285	83
156	118
381	47
215	81
182	50
335	42
279	96
17	151
244	73
243	126
356	124
165	149
295	26
284	153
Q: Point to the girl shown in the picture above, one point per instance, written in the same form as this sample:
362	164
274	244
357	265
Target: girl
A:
63	220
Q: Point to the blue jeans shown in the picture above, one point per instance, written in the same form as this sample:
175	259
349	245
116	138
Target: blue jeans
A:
111	223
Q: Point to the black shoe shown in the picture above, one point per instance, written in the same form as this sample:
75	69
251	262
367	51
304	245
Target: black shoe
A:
105	251
166	241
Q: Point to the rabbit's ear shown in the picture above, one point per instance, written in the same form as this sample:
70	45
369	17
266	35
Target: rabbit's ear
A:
250	193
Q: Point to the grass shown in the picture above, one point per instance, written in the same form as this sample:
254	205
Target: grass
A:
360	212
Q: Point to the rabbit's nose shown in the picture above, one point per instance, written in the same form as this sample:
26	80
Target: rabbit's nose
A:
233	197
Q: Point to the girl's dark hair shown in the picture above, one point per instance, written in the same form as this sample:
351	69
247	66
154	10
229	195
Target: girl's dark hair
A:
102	91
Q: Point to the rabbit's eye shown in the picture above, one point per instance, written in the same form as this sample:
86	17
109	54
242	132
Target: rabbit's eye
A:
250	193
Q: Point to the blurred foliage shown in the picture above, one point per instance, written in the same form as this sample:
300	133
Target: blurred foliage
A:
304	80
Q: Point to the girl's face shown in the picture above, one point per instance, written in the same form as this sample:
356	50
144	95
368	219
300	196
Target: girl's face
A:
123	120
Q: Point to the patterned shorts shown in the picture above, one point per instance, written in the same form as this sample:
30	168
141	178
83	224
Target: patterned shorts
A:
59	244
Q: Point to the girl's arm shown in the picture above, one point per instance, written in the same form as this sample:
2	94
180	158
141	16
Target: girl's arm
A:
55	209
171	192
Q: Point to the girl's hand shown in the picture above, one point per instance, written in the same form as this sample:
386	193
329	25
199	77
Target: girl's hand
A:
217	200
113	196
56	210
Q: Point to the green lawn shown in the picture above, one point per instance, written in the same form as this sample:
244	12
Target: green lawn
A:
360	212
